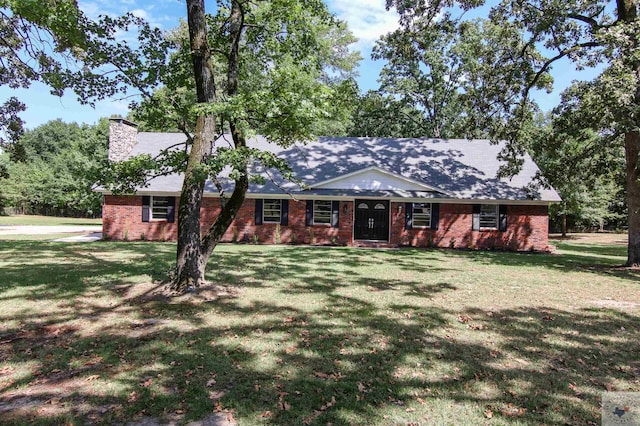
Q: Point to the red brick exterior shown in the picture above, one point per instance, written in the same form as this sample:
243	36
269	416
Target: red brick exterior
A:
527	229
527	226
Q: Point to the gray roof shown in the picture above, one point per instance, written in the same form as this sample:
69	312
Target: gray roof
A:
452	168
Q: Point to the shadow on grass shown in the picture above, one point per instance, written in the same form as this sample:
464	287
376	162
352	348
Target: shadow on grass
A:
603	260
346	360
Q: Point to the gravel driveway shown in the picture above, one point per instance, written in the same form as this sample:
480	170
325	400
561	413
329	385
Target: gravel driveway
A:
87	232
40	230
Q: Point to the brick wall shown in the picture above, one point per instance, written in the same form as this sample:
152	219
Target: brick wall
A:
527	229
527	226
122	220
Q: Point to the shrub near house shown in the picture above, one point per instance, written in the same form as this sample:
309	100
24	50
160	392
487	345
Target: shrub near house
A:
359	191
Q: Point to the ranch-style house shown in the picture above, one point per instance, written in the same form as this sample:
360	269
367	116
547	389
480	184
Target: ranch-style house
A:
356	191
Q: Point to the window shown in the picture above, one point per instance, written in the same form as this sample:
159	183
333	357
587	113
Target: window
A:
160	207
488	216
322	212
421	215
272	210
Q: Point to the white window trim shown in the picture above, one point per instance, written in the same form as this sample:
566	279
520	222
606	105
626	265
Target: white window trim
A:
151	209
496	208
330	212
264	205
414	216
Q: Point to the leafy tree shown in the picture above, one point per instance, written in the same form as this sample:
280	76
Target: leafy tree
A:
52	42
591	192
377	114
61	164
26	29
586	32
276	67
444	68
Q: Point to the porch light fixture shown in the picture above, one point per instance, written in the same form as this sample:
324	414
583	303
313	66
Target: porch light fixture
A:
400	208
344	208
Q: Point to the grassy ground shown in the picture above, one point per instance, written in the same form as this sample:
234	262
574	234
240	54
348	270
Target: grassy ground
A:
300	335
46	220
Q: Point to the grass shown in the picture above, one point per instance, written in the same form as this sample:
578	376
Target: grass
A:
302	335
47	220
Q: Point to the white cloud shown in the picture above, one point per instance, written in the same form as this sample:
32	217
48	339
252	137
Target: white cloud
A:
140	13
367	19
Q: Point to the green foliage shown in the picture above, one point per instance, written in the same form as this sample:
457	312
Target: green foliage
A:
295	80
52	42
381	115
585	166
62	162
532	37
444	69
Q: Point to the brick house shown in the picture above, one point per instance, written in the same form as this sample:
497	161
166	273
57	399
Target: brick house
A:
356	191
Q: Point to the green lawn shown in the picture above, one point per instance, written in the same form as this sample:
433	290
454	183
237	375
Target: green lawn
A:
303	335
46	220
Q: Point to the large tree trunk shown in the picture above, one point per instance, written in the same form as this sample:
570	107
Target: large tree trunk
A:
231	207
628	13
190	262
632	151
194	251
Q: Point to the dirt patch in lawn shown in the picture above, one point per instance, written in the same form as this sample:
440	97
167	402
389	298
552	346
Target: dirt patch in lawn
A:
616	304
160	292
592	238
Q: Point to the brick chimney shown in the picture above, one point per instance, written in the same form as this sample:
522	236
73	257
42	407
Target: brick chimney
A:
123	135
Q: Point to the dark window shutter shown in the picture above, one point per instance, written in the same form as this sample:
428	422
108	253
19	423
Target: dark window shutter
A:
408	215
476	217
171	209
335	214
308	218
146	208
502	218
284	212
435	215
258	212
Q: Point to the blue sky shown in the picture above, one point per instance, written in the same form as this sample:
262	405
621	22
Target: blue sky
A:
367	19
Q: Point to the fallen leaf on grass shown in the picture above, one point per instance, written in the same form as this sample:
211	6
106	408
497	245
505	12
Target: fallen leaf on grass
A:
215	395
282	404
92	377
329	404
464	318
147	382
316	413
513	411
488	413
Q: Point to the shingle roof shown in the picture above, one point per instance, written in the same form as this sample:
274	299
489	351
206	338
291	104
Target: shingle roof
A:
459	168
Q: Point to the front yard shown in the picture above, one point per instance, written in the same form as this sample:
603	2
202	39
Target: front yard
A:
303	335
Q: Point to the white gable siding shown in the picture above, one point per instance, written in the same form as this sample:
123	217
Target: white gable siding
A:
372	180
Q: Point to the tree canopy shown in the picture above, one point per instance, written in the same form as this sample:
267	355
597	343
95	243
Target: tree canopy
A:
588	33
58	170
